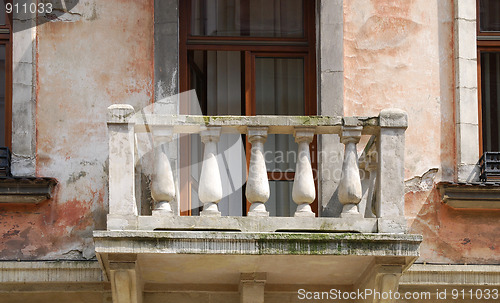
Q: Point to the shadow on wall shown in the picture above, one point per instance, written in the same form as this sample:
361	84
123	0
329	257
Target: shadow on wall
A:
46	10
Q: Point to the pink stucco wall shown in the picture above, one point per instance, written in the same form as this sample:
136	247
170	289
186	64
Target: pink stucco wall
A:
102	55
400	54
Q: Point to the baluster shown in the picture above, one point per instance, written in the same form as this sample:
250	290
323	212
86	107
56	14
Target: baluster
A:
257	189
210	187
304	190
350	184
162	180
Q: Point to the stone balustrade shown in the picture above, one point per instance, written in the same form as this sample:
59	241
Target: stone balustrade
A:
383	163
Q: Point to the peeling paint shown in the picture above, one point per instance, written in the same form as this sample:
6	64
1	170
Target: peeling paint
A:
421	183
400	54
63	16
82	68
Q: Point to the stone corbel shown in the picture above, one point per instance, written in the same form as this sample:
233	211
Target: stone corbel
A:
126	285
252	287
386	283
381	281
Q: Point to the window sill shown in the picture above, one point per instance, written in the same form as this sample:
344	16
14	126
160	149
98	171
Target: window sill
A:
26	190
475	195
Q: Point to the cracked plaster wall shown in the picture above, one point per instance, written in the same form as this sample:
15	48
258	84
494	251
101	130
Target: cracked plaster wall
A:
98	54
401	54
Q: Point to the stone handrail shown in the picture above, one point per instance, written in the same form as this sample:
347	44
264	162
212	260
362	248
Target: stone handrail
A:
387	129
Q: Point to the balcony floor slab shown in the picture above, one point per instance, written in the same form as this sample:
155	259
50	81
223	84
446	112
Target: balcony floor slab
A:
208	257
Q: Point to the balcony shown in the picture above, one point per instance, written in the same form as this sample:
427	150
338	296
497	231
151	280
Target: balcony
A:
366	246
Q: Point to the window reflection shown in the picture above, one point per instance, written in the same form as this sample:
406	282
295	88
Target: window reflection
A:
255	18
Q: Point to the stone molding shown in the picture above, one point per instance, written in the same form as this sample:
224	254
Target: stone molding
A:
466	94
26	190
212	242
471	275
50	271
470	196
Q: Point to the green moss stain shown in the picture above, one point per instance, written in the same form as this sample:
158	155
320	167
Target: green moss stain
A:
309	244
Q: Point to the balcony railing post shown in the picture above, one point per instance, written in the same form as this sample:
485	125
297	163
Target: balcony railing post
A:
162	181
390	173
210	188
122	203
349	191
257	189
304	190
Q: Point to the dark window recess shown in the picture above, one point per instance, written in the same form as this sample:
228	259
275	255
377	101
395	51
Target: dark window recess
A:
3	14
488	46
489	16
4	162
490	166
3	99
490	100
5	77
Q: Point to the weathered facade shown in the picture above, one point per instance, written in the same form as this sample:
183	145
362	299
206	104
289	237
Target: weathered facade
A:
97	154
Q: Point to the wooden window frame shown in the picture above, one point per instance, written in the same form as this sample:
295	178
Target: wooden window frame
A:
6	39
487	41
249	47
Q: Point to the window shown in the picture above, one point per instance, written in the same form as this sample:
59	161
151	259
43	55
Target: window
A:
5	77
247	58
488	49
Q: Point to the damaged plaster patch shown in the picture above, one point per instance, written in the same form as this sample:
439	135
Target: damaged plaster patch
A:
385	33
63	16
421	183
164	89
23	165
73	254
75	176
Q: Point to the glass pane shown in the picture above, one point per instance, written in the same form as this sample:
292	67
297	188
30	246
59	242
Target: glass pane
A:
280	153
2	96
280	203
3	14
279	86
489	15
490	98
254	18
